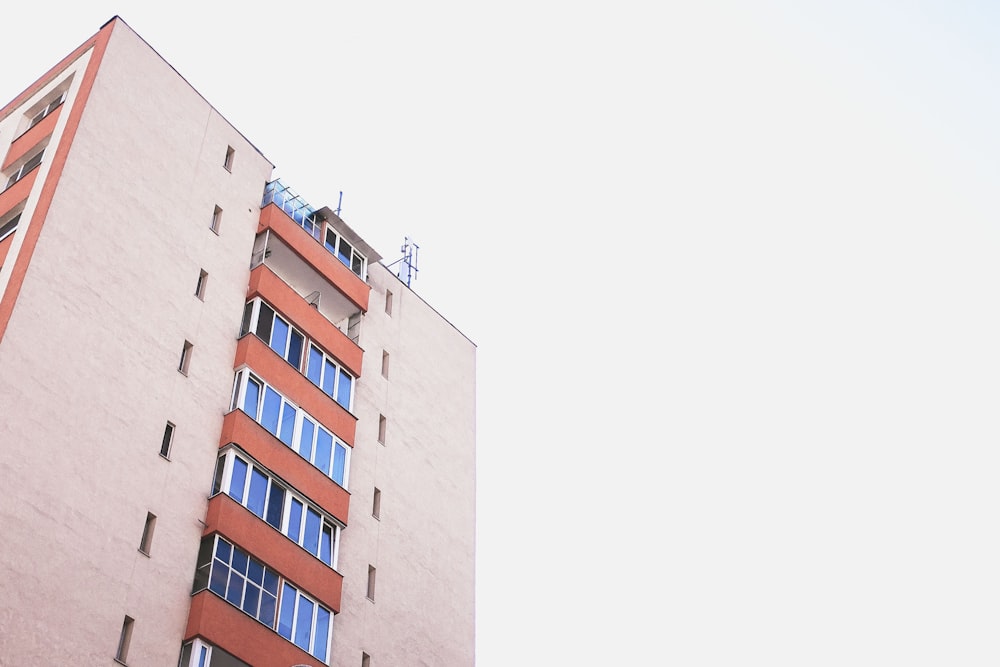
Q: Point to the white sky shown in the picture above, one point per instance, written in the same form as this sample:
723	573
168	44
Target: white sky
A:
733	276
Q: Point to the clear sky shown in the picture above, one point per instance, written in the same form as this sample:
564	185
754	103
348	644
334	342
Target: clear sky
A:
733	273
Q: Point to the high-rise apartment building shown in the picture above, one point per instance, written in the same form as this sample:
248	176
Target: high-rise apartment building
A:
229	434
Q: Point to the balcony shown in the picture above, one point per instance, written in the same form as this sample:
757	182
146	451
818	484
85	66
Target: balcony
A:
222	624
285	463
267	285
241	526
288	381
306	248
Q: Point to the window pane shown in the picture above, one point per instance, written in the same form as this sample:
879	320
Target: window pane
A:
258	492
255	572
329	377
356	264
295	520
267	605
252	399
250	600
344	252
315	367
235	592
219	579
339	463
324	444
264	321
306	438
287	611
322	633
344	389
294	355
271	582
223	550
279	337
238	480
303	625
217	482
272	408
326	546
331	241
247	313
311	539
287	423
240	561
275	505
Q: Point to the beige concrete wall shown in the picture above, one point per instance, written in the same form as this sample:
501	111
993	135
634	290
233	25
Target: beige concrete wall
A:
423	544
88	369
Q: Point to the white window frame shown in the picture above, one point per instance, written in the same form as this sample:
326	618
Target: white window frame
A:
322	375
244	375
338	238
9	226
26	167
255	321
312	622
46	110
230	455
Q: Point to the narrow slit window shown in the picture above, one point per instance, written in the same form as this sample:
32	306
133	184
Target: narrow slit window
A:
371	583
216	220
147	533
388	302
230	154
377	504
385	364
185	363
381	429
168	441
366	660
124	640
199	288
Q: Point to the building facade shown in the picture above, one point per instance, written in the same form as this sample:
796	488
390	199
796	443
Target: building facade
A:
230	435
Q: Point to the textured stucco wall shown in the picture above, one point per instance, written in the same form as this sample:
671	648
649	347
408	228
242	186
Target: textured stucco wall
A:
88	369
423	544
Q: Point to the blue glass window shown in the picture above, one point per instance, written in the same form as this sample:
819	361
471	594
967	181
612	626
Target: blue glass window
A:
274	506
295	342
272	408
344	390
339	464
238	480
315	367
295	520
279	335
303	627
322	633
326	546
324	443
329	377
306	438
257	495
287	613
311	539
252	399
219	579
287	423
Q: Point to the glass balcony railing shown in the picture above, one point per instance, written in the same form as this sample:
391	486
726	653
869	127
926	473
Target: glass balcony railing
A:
297	208
307	217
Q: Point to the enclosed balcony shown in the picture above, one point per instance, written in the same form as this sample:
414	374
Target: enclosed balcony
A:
315	253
